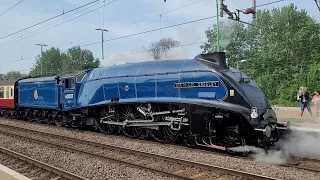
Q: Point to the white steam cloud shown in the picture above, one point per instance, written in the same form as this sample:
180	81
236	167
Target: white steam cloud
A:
298	143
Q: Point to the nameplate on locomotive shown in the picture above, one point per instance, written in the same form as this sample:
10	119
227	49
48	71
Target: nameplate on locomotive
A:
197	84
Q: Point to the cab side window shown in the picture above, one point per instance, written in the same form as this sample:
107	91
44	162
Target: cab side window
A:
81	77
70	83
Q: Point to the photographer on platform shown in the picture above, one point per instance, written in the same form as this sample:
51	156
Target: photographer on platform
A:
304	101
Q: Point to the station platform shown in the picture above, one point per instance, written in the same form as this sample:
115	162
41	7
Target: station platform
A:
307	125
9	174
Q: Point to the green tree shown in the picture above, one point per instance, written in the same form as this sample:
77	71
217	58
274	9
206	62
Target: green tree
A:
54	61
157	49
51	60
232	36
14	75
78	59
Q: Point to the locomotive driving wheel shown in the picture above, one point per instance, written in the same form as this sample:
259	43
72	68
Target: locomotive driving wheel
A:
164	134
233	139
128	113
105	128
59	120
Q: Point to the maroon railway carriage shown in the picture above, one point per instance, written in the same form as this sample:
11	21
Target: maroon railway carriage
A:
6	96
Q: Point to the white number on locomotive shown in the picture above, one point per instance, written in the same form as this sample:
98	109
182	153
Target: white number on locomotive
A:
68	96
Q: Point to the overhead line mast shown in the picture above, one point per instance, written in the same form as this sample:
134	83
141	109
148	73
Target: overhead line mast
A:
224	8
318	4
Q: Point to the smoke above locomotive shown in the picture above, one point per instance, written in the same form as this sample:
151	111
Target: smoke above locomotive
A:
201	101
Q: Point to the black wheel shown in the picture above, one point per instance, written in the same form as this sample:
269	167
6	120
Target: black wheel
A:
105	128
188	139
164	134
233	139
49	120
40	117
32	116
129	113
59	121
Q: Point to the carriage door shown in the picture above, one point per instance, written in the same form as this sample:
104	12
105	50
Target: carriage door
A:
69	98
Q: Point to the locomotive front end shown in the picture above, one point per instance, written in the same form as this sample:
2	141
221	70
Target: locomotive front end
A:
267	129
263	122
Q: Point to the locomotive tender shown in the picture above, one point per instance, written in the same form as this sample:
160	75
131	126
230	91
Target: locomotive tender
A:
202	101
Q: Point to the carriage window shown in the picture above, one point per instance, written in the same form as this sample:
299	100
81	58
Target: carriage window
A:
11	92
6	94
1	92
69	83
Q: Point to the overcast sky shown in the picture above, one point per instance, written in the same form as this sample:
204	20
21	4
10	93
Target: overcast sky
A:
117	14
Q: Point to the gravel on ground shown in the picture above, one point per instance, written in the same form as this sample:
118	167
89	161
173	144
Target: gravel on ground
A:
208	157
80	164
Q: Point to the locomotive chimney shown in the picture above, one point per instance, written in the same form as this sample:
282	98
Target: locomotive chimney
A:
218	58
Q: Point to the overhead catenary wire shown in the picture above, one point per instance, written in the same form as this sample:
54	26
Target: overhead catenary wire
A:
10	8
130	35
26	35
133	23
60	23
48	19
120	27
159	28
236	4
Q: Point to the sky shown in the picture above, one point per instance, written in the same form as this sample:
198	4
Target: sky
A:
18	51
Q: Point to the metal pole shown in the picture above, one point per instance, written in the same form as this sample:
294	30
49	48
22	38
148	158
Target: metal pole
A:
254	8
21	49
102	45
102	40
218	26
41	60
41	55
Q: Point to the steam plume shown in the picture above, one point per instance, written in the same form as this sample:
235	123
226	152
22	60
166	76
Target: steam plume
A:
297	143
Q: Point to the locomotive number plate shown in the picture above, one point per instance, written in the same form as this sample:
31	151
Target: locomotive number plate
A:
197	84
68	96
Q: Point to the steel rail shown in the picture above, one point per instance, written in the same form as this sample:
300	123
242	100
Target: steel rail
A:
136	152
300	159
40	164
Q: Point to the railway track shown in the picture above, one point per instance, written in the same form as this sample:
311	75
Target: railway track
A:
33	168
308	164
172	167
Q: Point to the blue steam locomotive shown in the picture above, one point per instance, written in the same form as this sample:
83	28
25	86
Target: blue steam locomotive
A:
201	101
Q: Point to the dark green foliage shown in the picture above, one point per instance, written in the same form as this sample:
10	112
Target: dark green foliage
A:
281	49
54	61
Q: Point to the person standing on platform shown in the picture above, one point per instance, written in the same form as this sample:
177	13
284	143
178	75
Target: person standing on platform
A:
298	94
316	102
304	101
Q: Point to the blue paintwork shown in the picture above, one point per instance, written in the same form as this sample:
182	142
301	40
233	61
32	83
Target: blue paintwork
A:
151	81
47	90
